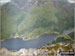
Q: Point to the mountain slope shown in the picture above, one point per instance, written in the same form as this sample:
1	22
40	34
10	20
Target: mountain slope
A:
10	16
40	16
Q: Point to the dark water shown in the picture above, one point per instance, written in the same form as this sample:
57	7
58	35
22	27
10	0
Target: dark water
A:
18	43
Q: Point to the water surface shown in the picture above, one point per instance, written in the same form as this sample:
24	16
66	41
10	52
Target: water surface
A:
18	43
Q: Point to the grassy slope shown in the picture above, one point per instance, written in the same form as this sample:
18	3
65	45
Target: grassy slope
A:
37	20
10	17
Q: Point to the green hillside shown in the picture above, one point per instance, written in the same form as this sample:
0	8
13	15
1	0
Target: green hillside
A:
10	16
38	20
63	39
